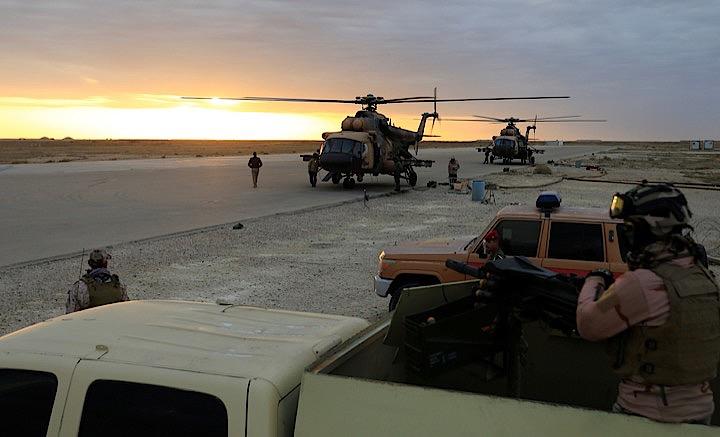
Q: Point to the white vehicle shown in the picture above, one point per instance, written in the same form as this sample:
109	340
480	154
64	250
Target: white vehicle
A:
166	368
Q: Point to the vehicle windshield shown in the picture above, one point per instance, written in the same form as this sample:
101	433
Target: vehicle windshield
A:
343	145
505	142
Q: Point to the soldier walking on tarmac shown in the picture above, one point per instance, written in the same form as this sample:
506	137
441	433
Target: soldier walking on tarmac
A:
314	167
97	286
453	167
255	163
662	317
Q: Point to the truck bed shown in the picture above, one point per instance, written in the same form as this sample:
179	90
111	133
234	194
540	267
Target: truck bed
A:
565	385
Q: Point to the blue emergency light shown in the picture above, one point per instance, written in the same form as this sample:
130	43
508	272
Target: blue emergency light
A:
548	200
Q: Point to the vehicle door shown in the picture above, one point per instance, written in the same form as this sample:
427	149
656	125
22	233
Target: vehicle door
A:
617	248
114	399
33	390
575	247
518	237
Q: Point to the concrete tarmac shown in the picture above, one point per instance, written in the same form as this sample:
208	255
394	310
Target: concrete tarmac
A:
53	209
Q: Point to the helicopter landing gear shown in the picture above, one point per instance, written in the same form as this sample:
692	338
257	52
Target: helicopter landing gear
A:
411	177
336	178
360	178
532	160
349	183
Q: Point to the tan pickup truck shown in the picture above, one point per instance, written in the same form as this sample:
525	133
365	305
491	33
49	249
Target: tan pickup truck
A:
169	368
562	239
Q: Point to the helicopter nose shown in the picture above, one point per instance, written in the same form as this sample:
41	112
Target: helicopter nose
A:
336	161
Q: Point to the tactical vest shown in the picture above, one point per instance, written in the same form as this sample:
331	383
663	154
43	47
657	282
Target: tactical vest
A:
103	291
686	348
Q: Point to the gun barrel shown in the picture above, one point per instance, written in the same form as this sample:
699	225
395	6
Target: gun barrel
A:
460	267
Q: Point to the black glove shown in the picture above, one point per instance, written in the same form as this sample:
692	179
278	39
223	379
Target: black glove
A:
605	274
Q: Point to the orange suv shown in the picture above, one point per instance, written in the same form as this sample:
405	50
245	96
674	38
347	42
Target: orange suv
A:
566	240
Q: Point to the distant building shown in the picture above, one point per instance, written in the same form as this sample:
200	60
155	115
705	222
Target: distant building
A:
695	145
709	145
554	143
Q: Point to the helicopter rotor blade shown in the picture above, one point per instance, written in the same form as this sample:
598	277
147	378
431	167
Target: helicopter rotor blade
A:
557	117
476	99
572	121
490	118
274	99
403	99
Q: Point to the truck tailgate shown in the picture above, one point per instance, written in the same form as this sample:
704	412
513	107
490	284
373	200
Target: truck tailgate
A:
337	405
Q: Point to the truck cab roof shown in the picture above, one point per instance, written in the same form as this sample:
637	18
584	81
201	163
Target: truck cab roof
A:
237	341
561	213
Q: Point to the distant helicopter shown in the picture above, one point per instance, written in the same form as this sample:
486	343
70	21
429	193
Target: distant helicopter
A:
511	144
368	143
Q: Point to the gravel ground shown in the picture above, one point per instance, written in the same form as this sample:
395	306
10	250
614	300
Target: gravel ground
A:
322	260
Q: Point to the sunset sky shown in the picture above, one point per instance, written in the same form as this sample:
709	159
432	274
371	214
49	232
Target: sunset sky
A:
115	69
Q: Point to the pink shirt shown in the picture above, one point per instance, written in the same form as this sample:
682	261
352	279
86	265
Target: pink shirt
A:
640	298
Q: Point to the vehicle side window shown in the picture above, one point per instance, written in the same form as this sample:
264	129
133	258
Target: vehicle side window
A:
26	402
519	237
623	243
118	408
577	241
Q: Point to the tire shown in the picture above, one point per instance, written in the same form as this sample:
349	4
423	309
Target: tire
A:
532	160
349	183
336	178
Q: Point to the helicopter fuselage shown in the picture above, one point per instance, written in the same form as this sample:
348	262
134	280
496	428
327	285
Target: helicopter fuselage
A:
369	144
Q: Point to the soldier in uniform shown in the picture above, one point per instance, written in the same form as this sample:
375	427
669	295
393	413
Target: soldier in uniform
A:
255	163
97	286
313	168
453	167
662	317
492	246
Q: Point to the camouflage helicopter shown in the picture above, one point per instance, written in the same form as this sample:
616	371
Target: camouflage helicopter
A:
368	143
511	144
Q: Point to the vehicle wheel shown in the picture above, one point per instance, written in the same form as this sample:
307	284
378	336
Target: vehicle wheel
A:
336	178
349	183
412	178
532	160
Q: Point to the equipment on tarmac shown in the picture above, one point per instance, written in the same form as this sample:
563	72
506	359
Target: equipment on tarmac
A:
368	142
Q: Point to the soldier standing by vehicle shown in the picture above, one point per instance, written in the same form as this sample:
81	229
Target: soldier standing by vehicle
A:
255	163
314	167
97	286
662	317
453	167
487	156
492	246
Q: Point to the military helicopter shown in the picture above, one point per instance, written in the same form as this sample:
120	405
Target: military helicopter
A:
368	143
511	144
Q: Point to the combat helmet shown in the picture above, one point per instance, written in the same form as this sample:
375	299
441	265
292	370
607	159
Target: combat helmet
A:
662	208
98	258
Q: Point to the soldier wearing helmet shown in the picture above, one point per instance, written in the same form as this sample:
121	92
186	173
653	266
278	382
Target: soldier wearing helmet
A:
662	318
97	286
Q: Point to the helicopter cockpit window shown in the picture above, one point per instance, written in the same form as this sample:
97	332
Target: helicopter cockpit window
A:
505	142
343	145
